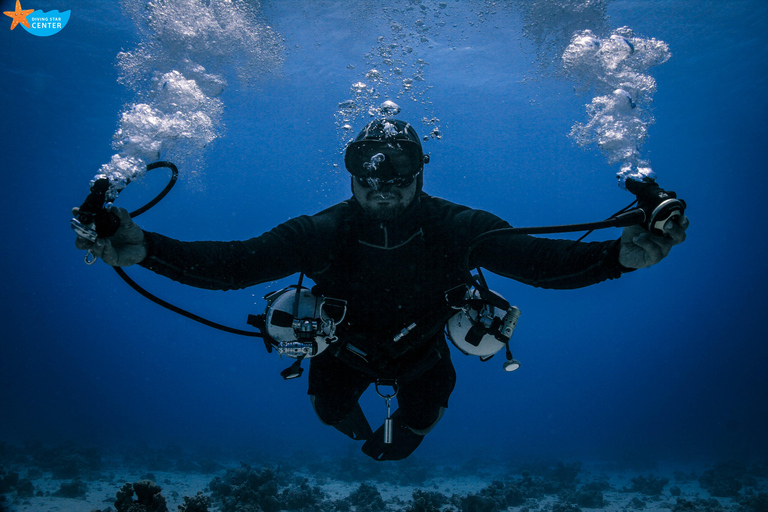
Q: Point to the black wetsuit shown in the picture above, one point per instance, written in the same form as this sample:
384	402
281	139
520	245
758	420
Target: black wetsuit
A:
392	274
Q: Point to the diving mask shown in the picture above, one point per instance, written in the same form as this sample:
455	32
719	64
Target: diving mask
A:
375	163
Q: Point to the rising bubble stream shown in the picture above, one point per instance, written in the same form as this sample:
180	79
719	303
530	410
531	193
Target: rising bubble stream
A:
189	48
614	68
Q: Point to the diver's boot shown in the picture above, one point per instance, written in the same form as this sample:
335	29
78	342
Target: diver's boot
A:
404	441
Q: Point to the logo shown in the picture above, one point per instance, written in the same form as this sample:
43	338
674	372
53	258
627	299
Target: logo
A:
37	22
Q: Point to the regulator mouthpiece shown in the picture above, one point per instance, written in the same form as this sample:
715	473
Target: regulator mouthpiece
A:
659	205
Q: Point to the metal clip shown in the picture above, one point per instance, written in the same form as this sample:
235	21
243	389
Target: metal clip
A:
90	258
388	423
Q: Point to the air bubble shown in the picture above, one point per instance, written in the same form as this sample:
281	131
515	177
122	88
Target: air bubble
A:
389	108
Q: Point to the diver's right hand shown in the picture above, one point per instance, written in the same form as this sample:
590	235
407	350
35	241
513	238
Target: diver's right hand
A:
124	248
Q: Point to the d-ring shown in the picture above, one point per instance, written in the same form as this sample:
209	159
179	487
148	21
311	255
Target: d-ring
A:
390	383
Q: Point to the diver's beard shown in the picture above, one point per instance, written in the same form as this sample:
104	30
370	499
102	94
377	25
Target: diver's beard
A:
392	193
386	211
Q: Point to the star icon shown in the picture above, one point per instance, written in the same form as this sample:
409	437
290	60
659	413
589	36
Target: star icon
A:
19	16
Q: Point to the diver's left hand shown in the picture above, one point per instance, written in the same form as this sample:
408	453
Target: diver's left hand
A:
640	249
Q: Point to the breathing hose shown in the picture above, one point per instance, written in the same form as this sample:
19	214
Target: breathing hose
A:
96	219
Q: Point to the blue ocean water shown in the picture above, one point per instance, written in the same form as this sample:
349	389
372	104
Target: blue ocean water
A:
665	363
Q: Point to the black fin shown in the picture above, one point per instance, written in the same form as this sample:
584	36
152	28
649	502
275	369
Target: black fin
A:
355	425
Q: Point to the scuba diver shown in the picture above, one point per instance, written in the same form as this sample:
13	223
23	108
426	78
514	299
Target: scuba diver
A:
389	253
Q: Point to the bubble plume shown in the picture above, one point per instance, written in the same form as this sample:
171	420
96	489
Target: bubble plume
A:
178	71
613	68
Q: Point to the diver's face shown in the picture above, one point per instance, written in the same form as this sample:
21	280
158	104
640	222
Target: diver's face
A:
386	201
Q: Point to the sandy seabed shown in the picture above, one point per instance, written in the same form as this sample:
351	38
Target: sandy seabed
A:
70	479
